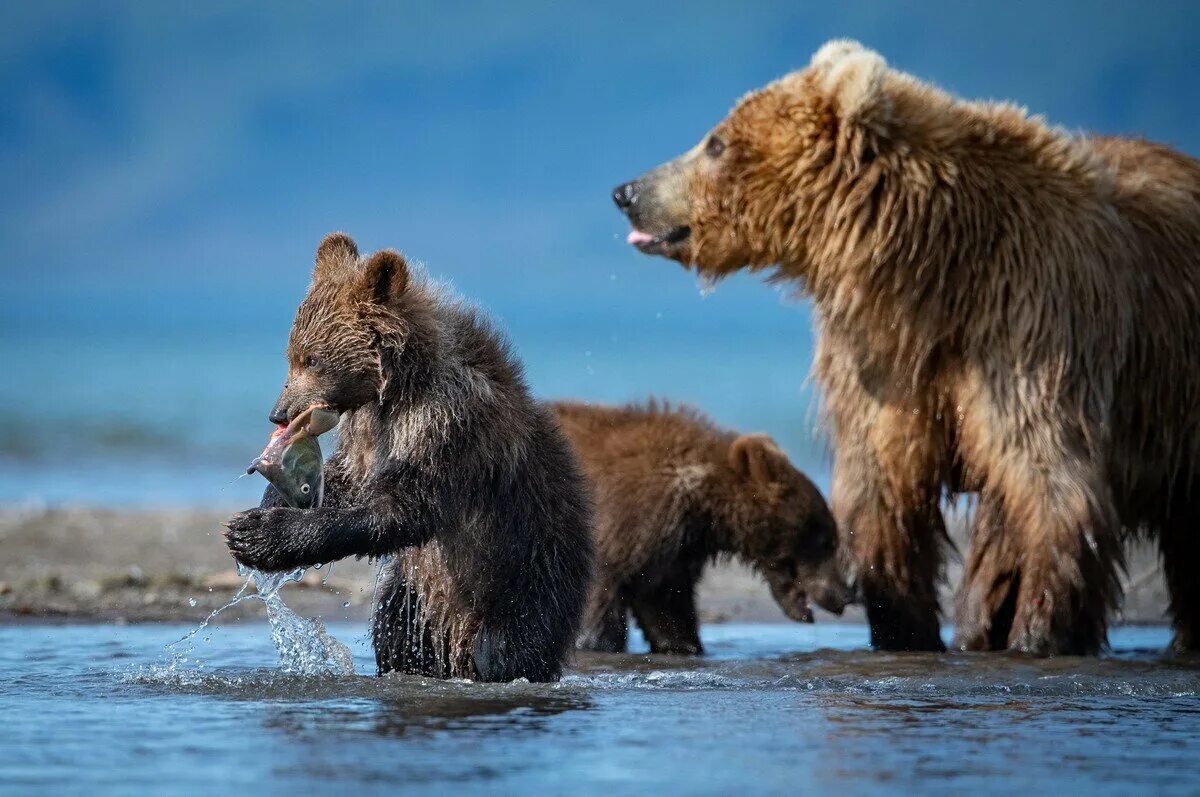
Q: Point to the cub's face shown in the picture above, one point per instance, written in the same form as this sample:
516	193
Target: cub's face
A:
798	558
334	351
788	532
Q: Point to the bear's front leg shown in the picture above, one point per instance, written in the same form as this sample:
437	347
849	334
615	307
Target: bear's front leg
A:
886	491
282	538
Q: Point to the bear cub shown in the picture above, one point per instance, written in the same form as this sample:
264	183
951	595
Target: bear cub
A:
672	492
446	468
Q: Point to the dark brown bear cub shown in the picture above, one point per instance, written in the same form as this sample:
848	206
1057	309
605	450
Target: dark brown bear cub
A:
672	492
445	464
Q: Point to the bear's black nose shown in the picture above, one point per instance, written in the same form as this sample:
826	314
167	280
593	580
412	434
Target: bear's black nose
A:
278	416
625	195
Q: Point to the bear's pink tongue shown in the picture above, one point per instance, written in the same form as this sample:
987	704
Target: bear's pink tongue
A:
637	238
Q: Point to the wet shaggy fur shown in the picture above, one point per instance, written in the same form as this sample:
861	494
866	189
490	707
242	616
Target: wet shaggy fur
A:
446	468
672	492
1004	308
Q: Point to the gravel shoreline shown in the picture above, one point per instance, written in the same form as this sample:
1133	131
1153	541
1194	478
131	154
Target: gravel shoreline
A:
145	565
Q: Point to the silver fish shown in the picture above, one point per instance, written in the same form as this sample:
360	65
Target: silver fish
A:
292	459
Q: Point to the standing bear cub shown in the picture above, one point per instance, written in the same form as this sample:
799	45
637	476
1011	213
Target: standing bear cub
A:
445	464
673	492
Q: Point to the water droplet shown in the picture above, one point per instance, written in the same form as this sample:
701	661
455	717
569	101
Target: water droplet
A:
346	605
191	602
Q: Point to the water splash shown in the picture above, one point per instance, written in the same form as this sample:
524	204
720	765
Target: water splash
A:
304	646
707	284
181	648
234	481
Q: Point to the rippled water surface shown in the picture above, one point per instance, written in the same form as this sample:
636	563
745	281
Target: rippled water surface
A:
774	708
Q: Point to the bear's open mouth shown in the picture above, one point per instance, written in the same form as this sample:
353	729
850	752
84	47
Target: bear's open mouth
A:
653	244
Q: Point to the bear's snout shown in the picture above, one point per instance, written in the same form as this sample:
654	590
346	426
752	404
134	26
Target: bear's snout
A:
833	596
625	195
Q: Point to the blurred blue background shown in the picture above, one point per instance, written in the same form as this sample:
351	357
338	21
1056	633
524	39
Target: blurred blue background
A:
169	168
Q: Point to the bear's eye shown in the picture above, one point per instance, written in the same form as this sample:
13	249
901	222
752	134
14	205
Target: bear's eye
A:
312	361
714	147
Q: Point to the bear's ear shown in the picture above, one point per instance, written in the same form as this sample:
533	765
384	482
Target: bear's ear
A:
756	457
835	50
852	77
384	277
336	252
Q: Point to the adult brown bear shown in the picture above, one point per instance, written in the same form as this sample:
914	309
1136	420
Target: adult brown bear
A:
1004	308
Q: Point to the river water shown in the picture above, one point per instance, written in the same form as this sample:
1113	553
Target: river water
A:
773	709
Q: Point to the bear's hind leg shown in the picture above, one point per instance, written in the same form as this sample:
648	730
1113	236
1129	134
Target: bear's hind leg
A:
1179	547
666	614
986	600
607	630
1071	557
401	638
503	651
